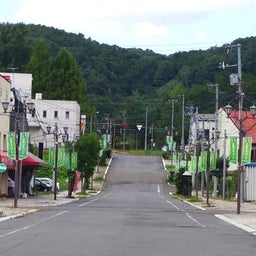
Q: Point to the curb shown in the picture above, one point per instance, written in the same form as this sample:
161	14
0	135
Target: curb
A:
237	224
18	215
187	202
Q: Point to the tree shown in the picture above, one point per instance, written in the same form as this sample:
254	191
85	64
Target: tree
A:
14	46
88	148
66	81
39	65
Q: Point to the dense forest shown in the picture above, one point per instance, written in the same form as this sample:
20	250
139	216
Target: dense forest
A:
125	84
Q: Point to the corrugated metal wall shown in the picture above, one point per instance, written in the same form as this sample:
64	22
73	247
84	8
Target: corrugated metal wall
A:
250	183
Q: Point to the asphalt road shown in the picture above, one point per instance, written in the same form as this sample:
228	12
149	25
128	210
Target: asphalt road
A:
134	215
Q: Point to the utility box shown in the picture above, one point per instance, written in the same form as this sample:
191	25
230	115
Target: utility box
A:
186	183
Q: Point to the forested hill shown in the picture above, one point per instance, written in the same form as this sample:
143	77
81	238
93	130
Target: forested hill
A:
128	79
112	70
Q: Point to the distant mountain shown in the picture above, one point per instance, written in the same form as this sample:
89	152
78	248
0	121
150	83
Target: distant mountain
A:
128	79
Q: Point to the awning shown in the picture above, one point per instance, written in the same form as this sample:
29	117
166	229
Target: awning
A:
30	160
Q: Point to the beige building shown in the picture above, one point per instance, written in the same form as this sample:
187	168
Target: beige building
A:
5	95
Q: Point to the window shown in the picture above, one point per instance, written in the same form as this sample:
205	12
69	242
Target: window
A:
44	113
55	114
67	114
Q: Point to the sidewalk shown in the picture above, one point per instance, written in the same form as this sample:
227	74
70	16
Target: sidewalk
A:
35	203
226	211
31	204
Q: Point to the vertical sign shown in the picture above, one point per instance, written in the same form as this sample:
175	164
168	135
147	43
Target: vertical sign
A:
233	153
11	147
213	159
23	147
247	147
192	165
204	160
51	156
74	160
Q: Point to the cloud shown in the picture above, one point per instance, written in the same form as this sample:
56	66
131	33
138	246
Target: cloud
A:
135	22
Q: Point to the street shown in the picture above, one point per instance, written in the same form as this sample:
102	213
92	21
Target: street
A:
133	215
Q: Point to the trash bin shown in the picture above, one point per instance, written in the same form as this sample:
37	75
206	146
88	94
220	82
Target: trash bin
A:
186	183
10	192
11	185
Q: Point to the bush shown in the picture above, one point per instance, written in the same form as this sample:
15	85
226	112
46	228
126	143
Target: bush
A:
178	180
106	154
166	155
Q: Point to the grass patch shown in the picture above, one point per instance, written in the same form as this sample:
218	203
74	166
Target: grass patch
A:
140	152
193	199
99	178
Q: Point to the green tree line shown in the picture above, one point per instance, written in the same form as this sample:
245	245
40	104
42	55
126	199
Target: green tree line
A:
109	79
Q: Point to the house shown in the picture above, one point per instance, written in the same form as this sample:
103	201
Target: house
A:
65	115
16	91
4	128
219	129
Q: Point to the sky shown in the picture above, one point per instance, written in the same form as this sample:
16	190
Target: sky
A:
163	26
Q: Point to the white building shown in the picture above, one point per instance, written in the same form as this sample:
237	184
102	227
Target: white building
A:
53	113
210	124
21	82
47	112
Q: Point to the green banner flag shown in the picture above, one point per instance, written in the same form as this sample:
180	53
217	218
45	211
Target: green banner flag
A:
203	160
247	148
200	164
173	146
183	164
192	164
74	160
168	139
61	156
51	156
213	159
11	147
233	150
23	147
104	138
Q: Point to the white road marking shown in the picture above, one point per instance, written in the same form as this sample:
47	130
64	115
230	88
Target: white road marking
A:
187	214
172	204
32	225
81	205
196	221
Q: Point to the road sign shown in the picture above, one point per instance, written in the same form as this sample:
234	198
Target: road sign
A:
3	167
139	126
11	152
23	150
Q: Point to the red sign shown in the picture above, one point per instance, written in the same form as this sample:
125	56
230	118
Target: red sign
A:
77	178
124	125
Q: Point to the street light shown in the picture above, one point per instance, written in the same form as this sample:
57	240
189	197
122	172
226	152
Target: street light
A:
69	145
18	115
209	140
55	133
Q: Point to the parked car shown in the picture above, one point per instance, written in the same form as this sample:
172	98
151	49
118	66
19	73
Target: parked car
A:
49	181
41	185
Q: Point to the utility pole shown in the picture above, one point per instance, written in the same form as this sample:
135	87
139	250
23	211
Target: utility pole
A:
224	165
238	81
182	129
215	131
124	127
146	129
